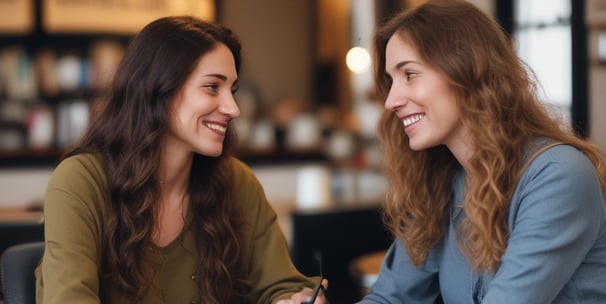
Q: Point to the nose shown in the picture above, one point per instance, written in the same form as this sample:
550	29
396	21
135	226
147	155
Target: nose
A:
396	98
229	106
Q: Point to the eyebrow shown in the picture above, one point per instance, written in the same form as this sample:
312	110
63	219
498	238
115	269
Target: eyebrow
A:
403	63
400	64
220	76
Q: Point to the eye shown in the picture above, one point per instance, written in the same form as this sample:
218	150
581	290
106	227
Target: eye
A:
212	87
235	88
410	75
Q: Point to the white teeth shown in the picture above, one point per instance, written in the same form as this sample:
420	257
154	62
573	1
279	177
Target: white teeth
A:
216	127
412	119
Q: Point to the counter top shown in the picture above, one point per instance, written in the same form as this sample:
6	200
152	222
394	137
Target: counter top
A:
18	215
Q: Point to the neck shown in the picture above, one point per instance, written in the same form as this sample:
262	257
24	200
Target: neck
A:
173	172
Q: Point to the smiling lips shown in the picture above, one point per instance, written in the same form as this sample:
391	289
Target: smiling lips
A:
408	121
217	128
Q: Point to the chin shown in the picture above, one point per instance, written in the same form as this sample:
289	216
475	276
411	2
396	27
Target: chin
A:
416	149
419	146
415	146
215	154
210	153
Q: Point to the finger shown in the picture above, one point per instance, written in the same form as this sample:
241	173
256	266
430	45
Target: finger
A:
306	291
322	298
303	295
325	284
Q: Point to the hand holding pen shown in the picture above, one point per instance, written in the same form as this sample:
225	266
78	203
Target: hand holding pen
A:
308	296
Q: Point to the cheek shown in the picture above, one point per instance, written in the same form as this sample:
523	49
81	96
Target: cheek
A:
450	112
445	97
200	105
179	119
423	95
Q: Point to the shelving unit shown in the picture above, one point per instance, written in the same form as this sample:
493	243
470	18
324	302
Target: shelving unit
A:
27	59
23	158
62	38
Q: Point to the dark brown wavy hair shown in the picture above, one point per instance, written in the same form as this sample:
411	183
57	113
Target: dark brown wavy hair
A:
498	97
126	134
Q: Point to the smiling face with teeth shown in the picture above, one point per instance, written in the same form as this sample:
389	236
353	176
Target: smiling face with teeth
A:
421	97
203	108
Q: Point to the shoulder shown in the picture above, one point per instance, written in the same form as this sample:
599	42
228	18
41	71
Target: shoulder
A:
77	189
243	177
563	160
247	191
561	180
78	174
80	164
240	169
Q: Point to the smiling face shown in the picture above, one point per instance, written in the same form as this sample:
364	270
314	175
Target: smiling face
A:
421	98
203	108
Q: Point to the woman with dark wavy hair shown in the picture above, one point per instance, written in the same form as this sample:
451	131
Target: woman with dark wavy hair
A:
490	198
150	207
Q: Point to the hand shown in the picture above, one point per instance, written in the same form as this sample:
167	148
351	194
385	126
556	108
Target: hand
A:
306	294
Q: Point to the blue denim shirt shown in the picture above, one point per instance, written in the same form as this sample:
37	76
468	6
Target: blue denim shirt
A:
556	252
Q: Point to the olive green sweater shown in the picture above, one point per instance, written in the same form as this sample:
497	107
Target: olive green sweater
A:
75	213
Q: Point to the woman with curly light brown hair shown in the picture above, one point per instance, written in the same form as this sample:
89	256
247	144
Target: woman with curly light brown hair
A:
151	207
490	198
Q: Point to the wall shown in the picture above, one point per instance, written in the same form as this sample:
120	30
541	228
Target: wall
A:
596	21
23	187
597	106
488	6
278	47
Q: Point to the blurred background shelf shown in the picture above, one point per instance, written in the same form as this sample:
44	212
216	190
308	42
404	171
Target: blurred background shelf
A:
24	158
48	157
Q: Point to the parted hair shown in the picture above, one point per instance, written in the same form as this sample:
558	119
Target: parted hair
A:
500	106
126	134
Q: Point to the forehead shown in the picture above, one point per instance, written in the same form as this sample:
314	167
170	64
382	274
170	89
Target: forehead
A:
218	59
400	48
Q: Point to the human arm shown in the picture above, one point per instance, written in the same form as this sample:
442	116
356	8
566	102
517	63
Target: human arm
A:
306	296
400	281
554	220
270	269
69	269
274	274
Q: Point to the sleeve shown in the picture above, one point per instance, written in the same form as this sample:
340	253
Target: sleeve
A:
400	281
271	271
69	269
554	222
